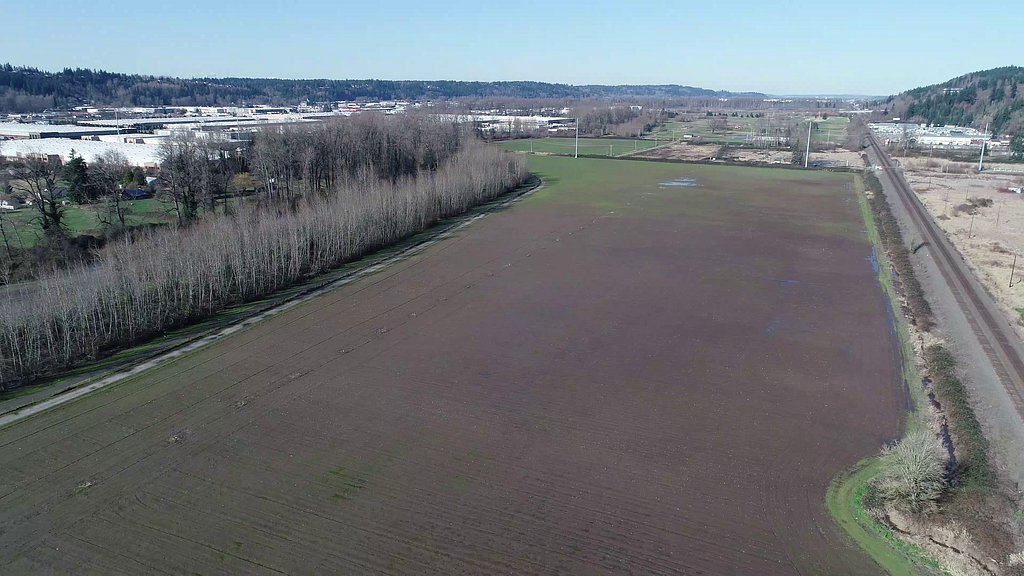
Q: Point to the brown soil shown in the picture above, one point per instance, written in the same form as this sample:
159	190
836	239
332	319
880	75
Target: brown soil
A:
681	151
839	157
768	156
556	390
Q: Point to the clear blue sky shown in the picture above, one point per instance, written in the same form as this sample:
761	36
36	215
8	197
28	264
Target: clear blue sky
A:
859	47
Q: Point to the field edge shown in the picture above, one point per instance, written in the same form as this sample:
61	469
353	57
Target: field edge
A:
844	492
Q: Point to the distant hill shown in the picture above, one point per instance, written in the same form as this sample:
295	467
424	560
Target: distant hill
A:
994	97
25	89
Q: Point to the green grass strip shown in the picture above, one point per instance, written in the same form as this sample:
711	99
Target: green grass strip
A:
844	497
843	501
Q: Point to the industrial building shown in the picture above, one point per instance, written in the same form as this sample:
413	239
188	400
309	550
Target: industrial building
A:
924	136
33	131
145	155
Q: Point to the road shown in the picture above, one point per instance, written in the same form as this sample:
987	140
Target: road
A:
996	336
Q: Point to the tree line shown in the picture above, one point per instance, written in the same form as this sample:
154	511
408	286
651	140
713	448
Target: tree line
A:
621	120
139	287
26	89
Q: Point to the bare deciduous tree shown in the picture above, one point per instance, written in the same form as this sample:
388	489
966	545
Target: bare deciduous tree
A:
164	279
185	170
107	173
38	179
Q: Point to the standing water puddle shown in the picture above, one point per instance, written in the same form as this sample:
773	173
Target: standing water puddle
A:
681	181
873	260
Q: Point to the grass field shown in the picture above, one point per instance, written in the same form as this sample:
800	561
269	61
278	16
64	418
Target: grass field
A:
832	130
739	128
23	225
650	367
587	146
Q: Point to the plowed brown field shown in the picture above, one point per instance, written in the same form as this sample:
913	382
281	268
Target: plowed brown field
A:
611	376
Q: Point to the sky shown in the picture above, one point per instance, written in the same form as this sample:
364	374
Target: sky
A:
866	47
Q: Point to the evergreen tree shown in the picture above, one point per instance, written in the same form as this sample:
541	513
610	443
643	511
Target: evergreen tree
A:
998	92
76	175
1017	146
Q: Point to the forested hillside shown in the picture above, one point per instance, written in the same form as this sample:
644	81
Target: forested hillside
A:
29	89
990	97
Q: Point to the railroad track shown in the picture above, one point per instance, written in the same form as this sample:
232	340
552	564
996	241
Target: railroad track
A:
994	333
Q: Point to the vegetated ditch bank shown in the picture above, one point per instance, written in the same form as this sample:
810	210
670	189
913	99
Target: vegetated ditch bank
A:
932	497
167	280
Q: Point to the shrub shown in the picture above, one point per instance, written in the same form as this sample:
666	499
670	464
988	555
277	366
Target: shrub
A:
912	473
899	255
972	464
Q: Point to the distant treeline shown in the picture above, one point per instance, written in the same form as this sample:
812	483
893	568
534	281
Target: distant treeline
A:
24	89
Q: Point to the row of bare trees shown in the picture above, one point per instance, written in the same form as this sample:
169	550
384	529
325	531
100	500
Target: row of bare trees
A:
165	279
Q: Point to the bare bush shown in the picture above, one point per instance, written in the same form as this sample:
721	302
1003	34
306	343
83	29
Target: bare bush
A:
912	473
167	279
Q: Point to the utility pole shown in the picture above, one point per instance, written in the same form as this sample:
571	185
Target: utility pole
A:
610	149
971	229
1012	266
984	141
577	154
808	152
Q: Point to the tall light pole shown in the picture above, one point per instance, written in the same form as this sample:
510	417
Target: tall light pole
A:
807	153
577	154
981	161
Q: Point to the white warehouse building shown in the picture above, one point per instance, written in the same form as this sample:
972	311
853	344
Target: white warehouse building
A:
145	155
